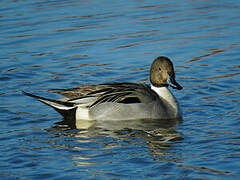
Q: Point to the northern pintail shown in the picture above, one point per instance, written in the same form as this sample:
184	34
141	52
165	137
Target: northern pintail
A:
122	101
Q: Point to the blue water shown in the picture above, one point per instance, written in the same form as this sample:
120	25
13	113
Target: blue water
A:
62	44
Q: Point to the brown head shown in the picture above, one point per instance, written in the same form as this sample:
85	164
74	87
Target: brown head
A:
162	73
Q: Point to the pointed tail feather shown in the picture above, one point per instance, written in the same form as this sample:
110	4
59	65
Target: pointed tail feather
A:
64	108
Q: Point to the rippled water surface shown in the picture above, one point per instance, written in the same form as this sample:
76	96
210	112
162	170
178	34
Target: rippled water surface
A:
62	44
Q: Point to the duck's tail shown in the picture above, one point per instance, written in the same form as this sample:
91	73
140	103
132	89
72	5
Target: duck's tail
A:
66	109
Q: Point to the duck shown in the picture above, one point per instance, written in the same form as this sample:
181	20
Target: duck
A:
121	100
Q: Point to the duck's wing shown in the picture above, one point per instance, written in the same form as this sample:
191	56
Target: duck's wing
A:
79	91
119	93
126	93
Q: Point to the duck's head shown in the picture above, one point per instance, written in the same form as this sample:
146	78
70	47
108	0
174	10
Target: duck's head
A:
162	73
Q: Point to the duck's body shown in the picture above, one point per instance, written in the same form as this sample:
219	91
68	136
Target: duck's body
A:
122	101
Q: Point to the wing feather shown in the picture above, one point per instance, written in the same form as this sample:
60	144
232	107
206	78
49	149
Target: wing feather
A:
114	92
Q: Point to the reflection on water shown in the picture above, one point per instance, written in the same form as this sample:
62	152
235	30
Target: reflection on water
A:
64	44
106	138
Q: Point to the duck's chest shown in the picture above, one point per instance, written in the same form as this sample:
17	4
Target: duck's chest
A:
169	102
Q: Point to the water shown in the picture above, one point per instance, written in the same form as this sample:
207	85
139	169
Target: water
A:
62	44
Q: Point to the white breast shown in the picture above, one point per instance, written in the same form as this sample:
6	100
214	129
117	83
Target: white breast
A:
166	94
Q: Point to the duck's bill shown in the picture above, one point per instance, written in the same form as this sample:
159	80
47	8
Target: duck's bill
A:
173	83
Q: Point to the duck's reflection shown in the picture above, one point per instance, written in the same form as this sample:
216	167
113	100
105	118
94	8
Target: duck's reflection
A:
137	124
112	135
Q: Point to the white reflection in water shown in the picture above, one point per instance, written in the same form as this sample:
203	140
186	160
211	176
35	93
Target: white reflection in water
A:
101	138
